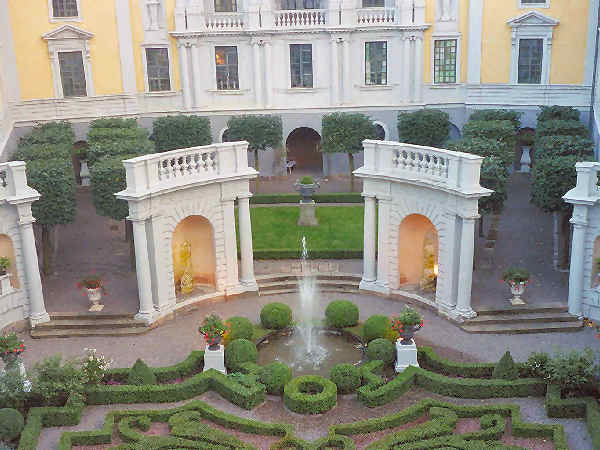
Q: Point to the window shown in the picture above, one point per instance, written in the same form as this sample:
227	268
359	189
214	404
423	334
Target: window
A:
373	3
64	8
72	74
531	53
300	4
227	68
301	65
157	69
534	3
444	61
376	62
225	5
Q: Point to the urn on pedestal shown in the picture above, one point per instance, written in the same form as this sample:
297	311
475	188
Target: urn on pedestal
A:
517	279
94	289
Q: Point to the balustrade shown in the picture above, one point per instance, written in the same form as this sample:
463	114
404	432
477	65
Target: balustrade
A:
225	21
375	16
300	18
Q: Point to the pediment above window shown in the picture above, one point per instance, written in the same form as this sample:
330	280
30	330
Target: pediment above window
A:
532	18
67	32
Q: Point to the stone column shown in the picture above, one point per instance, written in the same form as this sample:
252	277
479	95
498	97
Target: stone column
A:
142	268
465	268
382	283
232	283
335	71
37	309
370	244
185	75
247	257
268	87
196	71
258	95
576	269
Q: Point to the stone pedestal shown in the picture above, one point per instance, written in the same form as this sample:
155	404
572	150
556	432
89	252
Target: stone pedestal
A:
525	160
406	355
5	287
84	173
215	359
307	214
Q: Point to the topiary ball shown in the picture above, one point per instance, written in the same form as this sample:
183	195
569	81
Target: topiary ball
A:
506	369
346	377
275	376
239	352
381	349
275	316
377	327
11	424
341	314
239	328
140	374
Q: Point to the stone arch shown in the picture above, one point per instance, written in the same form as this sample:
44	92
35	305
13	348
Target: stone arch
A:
383	129
7	249
223	135
303	145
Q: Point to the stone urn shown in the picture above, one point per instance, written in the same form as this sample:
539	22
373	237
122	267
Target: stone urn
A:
407	333
95	295
11	360
525	160
213	343
5	286
306	190
517	289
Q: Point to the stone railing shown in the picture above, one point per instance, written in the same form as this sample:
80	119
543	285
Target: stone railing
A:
184	166
13	181
586	188
225	21
454	170
375	16
300	18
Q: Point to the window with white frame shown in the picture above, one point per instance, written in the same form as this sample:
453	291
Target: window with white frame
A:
376	63
444	60
72	74
373	3
157	69
64	9
301	66
226	59
225	5
531	56
534	3
300	4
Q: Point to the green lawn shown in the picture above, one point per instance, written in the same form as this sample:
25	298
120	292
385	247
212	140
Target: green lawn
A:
275	233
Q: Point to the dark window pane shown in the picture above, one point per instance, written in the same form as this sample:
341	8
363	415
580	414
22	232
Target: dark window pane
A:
225	6
227	68
72	74
64	8
373	3
300	4
301	65
376	62
157	67
444	61
531	54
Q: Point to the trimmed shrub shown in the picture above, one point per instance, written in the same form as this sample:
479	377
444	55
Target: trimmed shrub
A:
114	122
557	113
115	140
377	326
239	328
506	369
573	371
502	131
346	377
497	114
49	133
43	152
11	424
494	175
310	394
549	146
141	374
424	127
275	375
341	314
381	349
107	177
239	352
560	127
172	132
484	147
276	316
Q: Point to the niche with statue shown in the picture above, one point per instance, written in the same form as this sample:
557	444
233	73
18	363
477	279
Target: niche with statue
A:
418	255
193	249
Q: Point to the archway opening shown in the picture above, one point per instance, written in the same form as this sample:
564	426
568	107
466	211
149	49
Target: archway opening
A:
7	250
379	132
193	249
304	150
418	255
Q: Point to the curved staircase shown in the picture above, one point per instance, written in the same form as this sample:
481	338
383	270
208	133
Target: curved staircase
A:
66	325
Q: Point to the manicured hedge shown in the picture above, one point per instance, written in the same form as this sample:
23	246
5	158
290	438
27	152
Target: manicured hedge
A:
502	131
557	113
238	352
276	316
43	152
119	138
189	366
381	349
376	326
341	314
114	122
560	127
550	146
108	177
341	197
49	133
275	375
297	399
346	377
428	127
173	132
497	114
484	147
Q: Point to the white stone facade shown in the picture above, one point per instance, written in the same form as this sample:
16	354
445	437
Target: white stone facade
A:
442	186
165	188
23	297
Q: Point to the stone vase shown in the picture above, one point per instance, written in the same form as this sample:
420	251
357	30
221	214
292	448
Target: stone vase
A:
525	160
407	334
517	289
94	296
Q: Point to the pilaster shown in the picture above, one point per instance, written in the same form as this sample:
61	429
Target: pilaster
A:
142	268
370	243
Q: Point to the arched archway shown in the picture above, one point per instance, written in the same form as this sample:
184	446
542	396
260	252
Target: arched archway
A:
193	249
418	248
224	135
7	250
303	146
380	131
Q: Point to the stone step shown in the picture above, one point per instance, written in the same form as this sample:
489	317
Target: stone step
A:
321	286
68	333
525	317
295	289
89	315
92	322
524	309
522	328
320	276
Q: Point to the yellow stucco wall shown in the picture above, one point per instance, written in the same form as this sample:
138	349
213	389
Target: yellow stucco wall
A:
568	44
33	62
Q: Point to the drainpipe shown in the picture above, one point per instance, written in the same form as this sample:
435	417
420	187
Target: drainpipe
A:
593	97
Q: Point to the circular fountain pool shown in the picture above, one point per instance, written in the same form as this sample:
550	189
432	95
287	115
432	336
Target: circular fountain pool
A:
327	348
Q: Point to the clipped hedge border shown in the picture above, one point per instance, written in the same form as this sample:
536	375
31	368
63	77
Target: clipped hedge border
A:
339	197
306	403
290	253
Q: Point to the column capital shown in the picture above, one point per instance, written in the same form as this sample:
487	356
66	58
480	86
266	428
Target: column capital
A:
470	218
247	195
258	42
368	195
383	198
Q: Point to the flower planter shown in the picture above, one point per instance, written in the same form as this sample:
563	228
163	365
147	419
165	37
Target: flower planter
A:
517	289
408	333
94	296
215	342
84	173
306	191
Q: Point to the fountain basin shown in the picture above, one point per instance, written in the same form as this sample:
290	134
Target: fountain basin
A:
331	347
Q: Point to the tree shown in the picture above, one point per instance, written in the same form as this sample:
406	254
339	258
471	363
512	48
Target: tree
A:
261	132
173	132
560	145
428	127
494	176
557	113
484	147
344	133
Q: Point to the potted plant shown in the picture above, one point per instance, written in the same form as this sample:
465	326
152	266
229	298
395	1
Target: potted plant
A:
517	279
213	329
10	349
307	187
407	324
94	288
